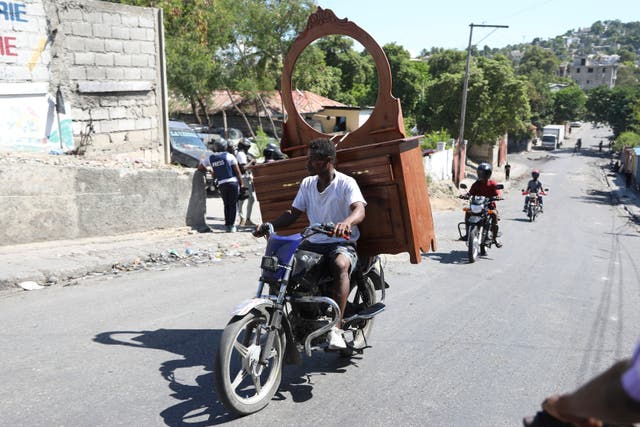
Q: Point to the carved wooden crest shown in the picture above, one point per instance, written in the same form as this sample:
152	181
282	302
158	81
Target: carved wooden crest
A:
385	123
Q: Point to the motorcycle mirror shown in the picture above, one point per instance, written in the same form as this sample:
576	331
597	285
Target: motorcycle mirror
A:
499	186
463	185
546	189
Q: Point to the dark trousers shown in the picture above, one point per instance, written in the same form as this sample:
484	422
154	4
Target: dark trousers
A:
229	192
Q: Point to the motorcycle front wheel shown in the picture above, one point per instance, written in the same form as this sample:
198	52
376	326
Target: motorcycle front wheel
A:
473	243
243	385
531	214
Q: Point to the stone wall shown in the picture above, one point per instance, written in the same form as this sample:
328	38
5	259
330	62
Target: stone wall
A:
105	59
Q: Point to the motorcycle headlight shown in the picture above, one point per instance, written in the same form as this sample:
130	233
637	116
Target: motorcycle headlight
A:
269	263
476	209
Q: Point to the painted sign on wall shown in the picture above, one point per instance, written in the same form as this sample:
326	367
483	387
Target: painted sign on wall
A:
28	116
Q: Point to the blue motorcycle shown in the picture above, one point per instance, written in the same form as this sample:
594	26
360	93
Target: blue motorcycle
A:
290	314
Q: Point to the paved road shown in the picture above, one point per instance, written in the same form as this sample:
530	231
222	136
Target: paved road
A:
460	344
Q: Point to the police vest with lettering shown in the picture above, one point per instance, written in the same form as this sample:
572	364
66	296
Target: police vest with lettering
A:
221	167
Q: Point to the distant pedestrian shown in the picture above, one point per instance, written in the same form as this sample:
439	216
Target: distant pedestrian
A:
507	171
245	161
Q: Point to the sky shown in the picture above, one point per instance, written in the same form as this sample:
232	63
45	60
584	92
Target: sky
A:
423	24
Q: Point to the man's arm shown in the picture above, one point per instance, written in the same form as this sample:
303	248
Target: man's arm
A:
600	400
236	169
356	216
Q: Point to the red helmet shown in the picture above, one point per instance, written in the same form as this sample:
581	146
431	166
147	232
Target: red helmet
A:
535	174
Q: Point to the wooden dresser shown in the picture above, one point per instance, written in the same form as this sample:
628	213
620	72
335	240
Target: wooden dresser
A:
387	166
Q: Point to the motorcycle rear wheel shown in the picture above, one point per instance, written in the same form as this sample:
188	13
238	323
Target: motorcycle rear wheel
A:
242	384
473	243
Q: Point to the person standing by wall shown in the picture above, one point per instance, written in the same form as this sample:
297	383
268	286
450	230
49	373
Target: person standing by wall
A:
246	160
227	172
507	171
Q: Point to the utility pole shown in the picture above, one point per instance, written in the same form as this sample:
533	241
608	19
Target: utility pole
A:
460	154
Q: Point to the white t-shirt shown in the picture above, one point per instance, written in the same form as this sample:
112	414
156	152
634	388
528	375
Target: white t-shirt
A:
332	205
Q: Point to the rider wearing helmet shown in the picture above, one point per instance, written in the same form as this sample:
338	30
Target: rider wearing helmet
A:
272	153
488	188
534	186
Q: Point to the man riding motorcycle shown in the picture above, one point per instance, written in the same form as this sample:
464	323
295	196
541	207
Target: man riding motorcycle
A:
487	188
534	186
328	195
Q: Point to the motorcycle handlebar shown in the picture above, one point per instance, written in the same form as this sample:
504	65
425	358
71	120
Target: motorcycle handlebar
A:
328	229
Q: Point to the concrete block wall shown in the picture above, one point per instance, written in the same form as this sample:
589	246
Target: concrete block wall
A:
109	71
106	59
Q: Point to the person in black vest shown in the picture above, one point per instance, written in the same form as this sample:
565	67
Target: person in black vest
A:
227	172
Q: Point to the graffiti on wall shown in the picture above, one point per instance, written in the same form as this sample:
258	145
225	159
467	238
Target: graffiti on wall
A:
28	115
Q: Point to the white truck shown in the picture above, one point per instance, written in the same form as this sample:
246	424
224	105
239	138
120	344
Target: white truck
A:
552	136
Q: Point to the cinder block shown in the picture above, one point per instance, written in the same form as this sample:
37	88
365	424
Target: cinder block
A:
111	18
140	60
121	33
111	45
143	123
75	43
131	47
118	113
82	29
84	58
129	20
132	74
147	21
95	73
102	30
148	47
79	114
115	74
105	59
92	17
151	34
148	74
70	14
77	73
137	33
94	45
99	113
123	60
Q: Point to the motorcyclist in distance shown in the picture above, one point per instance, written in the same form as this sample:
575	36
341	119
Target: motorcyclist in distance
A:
488	188
534	186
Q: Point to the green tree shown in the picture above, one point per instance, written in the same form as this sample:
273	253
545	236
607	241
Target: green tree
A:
358	83
408	81
539	67
568	104
497	100
626	139
616	107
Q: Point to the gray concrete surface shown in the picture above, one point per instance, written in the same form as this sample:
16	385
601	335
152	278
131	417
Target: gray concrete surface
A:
65	261
44	200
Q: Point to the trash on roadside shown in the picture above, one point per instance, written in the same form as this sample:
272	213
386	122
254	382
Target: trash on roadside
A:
30	286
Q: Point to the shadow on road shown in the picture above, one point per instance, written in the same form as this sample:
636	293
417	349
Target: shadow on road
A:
453	257
199	405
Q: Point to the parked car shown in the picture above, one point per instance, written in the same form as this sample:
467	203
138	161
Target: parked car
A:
187	148
575	124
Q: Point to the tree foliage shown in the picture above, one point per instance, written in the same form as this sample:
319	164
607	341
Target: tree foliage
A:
617	107
568	104
497	100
